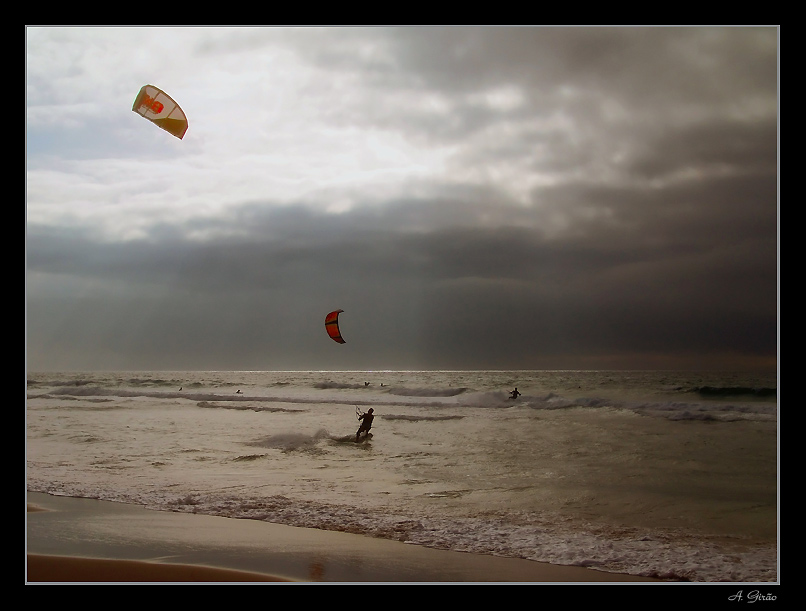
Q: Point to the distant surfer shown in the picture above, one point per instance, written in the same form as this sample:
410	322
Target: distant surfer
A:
514	394
238	392
366	423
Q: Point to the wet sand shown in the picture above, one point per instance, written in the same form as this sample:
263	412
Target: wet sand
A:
85	540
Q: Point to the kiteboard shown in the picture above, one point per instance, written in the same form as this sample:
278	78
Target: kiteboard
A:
351	438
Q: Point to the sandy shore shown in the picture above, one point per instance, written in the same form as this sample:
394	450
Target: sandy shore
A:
62	569
84	540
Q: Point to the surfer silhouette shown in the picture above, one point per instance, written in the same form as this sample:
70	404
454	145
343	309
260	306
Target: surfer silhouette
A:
366	423
514	394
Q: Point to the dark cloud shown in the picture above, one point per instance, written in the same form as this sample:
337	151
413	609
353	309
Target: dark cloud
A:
646	276
649	74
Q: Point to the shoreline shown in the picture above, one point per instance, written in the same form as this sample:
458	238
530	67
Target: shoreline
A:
76	540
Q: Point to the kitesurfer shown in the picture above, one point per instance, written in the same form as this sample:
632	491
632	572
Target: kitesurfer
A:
514	394
366	423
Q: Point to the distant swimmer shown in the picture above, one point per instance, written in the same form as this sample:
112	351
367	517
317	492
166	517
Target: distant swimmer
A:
180	388
514	394
366	423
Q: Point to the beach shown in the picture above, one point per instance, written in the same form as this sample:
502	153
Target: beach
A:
91	541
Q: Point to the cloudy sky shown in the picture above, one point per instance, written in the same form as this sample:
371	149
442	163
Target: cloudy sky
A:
489	197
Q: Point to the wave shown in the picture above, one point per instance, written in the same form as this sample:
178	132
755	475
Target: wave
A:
427	392
248	457
724	410
339	385
734	391
256	402
254	408
709	412
409	418
81	381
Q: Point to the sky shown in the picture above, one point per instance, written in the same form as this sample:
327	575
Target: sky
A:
471	197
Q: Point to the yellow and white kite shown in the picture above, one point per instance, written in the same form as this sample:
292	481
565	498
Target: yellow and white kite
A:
160	108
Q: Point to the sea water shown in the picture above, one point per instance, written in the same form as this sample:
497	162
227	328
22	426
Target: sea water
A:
653	473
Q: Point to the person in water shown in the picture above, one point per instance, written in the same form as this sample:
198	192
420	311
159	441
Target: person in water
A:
514	394
366	423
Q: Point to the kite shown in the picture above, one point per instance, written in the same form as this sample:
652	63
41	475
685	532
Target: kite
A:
332	326
159	108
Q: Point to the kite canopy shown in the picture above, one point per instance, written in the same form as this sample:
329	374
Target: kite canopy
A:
159	108
332	326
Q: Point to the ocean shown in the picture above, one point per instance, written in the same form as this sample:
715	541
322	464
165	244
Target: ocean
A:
653	473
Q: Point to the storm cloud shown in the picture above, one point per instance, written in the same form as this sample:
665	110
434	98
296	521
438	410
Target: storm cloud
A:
492	197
